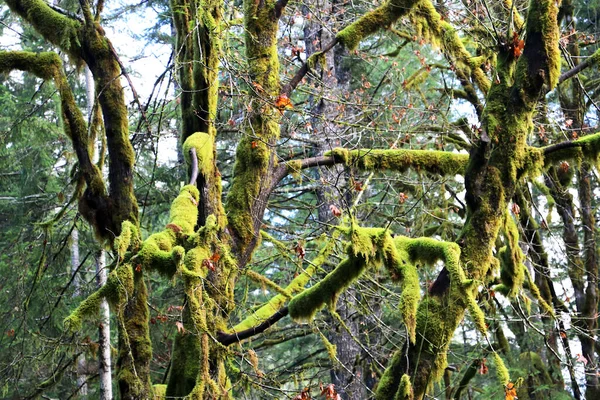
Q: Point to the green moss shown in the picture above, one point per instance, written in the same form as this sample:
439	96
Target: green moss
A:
501	370
128	239
405	391
331	349
431	27
295	286
184	209
204	146
535	291
119	286
58	29
512	270
436	162
388	385
371	22
263	280
476	313
305	305
160	392
135	347
295	168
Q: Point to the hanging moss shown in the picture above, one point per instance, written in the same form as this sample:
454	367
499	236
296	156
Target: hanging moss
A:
119	286
433	161
535	291
263	280
440	33
389	384
305	305
160	392
501	370
511	257
184	209
331	349
128	239
405	391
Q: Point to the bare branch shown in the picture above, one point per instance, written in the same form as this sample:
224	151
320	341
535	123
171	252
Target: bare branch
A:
194	160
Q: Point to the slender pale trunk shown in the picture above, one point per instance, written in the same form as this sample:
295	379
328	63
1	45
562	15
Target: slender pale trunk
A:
81	364
104	368
104	332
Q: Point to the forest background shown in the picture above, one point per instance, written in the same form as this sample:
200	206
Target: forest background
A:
366	173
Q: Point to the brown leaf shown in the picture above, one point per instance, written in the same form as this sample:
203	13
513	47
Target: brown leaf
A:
300	251
174	227
335	211
283	102
510	391
582	359
180	327
516	209
208	264
483	369
402	198
517	45
330	392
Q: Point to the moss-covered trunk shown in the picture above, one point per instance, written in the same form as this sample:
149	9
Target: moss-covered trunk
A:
255	155
496	163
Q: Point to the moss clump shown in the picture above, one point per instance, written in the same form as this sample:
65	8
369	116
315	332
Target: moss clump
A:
60	30
433	161
331	348
128	239
375	247
203	144
388	385
405	391
511	257
431	27
184	209
295	286
160	391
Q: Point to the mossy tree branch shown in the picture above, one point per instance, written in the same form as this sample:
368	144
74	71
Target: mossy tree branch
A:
381	17
441	33
85	41
495	163
255	154
49	66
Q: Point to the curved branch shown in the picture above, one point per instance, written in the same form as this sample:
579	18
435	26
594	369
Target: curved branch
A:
60	30
194	161
588	146
591	61
229	338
